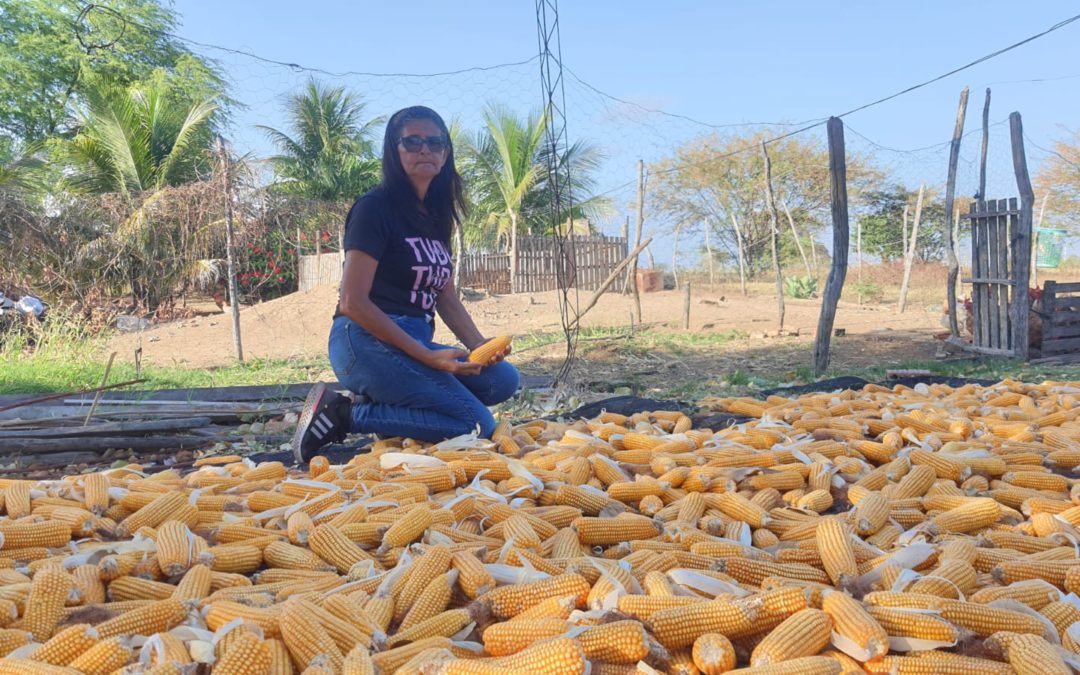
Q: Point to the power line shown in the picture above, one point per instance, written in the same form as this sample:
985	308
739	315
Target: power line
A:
981	59
1052	152
88	8
683	117
1059	25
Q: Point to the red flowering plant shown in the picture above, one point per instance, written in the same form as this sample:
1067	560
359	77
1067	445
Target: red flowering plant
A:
267	269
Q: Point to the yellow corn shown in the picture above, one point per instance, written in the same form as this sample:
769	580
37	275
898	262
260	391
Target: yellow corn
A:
804	633
104	657
48	594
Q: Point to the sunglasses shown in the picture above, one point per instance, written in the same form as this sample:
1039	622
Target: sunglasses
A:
414	143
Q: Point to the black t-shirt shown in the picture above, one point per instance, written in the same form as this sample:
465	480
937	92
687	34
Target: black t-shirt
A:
414	262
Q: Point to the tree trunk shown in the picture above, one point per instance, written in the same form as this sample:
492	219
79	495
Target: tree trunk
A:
774	236
795	233
739	249
708	252
626	238
513	252
909	256
858	254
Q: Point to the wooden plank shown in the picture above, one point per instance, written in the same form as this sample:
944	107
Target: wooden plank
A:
100	444
1071	287
1002	235
994	270
1003	212
113	428
1061	345
980	295
989	280
1051	331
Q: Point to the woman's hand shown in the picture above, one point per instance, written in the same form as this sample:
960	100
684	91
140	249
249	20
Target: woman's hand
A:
449	360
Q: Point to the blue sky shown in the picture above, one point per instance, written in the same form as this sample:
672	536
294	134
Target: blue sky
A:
720	62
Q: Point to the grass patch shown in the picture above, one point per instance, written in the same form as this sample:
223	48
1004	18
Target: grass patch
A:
64	356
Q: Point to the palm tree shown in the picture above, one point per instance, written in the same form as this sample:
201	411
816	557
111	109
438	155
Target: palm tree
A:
134	143
138	141
330	155
504	158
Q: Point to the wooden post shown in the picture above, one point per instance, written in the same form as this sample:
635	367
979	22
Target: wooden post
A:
835	284
513	251
626	240
637	238
341	245
739	250
234	294
1021	241
981	194
299	254
909	254
774	236
795	234
950	195
686	306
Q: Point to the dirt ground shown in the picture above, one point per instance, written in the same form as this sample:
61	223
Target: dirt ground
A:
296	326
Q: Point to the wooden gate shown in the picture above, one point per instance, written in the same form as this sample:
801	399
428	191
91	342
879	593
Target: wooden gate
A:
999	272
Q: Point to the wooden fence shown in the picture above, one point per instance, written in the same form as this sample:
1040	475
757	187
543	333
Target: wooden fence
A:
591	260
1060	318
319	270
594	257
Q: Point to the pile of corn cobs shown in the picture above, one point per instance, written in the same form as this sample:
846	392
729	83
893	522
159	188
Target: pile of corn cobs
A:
925	530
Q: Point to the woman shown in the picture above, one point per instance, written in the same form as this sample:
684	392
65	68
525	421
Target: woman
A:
397	273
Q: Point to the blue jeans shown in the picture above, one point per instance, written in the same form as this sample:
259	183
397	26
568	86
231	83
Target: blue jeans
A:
406	398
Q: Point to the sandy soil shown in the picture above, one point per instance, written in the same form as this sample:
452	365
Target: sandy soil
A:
296	326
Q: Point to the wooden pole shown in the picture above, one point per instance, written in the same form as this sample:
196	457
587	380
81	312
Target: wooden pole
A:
686	306
626	240
97	396
795	234
981	194
513	252
234	295
774	236
858	253
299	255
637	238
1021	241
835	284
950	195
909	254
739	250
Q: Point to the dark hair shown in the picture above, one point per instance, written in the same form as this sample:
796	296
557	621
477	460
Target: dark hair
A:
444	199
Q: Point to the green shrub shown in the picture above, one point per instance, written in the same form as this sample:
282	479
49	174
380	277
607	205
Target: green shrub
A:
868	290
800	287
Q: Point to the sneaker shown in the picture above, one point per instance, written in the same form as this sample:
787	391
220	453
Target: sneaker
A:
325	420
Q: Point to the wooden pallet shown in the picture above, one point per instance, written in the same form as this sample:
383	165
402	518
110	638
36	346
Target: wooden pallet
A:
1061	318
